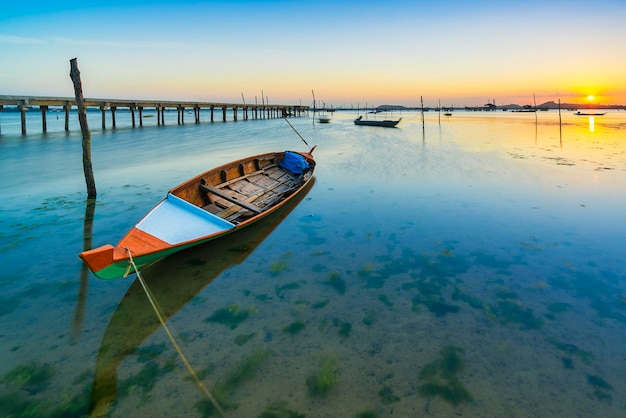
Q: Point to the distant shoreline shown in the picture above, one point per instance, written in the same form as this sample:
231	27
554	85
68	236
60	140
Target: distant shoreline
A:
386	108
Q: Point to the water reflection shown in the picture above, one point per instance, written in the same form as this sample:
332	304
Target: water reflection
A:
173	283
90	210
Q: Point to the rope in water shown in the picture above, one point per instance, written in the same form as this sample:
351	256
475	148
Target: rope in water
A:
171	337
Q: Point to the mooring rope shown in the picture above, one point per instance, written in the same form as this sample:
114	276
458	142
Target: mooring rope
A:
171	337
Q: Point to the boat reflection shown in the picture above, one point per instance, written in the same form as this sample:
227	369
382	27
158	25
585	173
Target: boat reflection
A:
173	283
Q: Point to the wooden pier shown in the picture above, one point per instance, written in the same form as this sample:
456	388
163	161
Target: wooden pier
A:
136	108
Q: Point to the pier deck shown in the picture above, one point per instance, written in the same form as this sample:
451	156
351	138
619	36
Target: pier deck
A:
254	111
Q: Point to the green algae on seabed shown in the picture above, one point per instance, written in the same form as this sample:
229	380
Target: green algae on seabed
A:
294	327
509	309
325	378
289	286
372	279
281	265
384	299
145	379
231	316
344	328
280	410
558	307
585	356
241	339
336	282
441	378
472	301
33	377
386	395
20	404
367	414
567	363
437	306
369	318
600	388
244	371
321	304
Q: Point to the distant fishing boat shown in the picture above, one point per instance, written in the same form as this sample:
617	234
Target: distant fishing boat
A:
322	118
386	123
589	113
212	204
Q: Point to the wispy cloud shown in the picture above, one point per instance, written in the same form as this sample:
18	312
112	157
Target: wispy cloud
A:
131	44
20	40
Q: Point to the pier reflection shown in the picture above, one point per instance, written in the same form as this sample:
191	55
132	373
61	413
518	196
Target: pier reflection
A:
173	283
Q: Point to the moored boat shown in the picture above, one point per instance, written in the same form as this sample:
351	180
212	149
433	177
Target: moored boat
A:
589	113
386	123
134	320
212	204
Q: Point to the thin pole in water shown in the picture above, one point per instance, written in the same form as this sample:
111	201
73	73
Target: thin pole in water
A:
560	126
422	103
82	118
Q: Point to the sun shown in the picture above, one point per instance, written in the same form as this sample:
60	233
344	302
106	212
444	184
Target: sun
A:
590	97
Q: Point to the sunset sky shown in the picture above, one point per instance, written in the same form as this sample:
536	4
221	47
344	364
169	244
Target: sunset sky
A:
348	52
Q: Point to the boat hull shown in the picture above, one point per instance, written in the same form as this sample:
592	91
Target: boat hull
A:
387	123
213	204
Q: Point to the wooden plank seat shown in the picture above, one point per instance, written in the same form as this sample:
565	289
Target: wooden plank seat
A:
231	197
238	198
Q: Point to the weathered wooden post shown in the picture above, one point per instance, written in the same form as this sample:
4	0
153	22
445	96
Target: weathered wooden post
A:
113	109
67	107
84	127
132	114
103	110
23	109
44	123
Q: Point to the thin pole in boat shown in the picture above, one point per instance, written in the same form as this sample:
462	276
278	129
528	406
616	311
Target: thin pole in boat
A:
298	133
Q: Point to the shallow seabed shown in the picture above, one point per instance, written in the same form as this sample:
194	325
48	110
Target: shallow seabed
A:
466	265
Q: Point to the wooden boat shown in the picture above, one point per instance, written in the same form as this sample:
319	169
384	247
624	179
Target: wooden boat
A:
208	206
589	114
324	119
387	123
134	320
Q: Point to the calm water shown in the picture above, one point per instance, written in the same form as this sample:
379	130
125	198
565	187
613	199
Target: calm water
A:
470	265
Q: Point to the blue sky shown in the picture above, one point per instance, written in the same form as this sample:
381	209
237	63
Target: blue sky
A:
349	52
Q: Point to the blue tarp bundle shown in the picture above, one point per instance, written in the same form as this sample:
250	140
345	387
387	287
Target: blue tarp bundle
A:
294	162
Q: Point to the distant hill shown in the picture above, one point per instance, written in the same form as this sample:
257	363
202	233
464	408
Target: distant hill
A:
552	105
